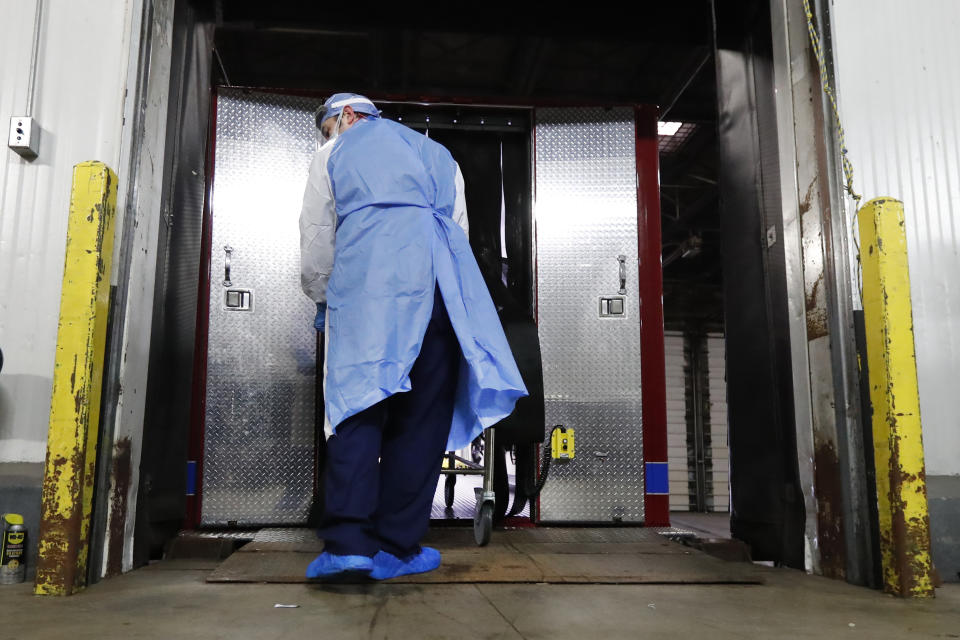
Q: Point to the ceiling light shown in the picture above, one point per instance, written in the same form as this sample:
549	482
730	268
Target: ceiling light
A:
668	128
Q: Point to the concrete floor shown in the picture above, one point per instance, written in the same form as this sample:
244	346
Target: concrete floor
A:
170	599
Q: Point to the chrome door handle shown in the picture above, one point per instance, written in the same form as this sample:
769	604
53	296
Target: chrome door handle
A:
623	273
228	250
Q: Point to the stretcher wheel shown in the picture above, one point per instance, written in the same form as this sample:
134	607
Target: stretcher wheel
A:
483	523
448	486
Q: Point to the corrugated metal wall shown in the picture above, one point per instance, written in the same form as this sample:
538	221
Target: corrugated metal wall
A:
898	81
717	392
81	74
677	421
681	430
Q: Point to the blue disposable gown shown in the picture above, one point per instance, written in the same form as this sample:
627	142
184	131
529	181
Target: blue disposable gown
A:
393	193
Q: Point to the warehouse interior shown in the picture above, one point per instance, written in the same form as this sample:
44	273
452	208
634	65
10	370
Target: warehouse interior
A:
447	70
664	209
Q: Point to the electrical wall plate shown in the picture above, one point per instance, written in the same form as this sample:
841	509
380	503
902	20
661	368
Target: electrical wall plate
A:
24	136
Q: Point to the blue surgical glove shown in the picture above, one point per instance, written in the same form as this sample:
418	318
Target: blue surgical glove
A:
320	322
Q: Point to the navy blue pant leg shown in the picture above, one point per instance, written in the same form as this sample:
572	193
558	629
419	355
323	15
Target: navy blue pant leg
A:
369	505
351	484
415	439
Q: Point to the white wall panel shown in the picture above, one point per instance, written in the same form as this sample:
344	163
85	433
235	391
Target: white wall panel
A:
676	421
78	104
898	81
719	451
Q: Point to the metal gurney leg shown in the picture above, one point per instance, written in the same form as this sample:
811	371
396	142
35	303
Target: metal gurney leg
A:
486	496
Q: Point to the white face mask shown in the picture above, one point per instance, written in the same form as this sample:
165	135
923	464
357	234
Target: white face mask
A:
322	139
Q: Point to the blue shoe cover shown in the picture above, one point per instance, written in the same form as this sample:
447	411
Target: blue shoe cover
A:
329	565
386	565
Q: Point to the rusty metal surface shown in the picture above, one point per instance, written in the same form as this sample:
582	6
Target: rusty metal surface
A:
814	204
894	395
67	494
120	477
786	219
859	505
837	511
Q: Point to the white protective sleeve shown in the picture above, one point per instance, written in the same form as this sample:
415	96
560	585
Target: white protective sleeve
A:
460	203
318	225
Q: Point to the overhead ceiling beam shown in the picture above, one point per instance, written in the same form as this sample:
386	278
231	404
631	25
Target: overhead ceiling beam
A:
696	60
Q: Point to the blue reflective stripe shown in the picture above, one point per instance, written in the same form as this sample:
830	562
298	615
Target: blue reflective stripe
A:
658	481
191	477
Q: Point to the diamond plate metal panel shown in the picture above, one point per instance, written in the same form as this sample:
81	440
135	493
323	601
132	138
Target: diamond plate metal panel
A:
586	212
233	534
259	439
286	535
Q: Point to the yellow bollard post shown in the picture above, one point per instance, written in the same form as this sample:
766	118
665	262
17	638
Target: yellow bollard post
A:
894	396
67	495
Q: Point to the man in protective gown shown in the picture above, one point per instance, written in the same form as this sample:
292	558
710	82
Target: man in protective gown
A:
416	359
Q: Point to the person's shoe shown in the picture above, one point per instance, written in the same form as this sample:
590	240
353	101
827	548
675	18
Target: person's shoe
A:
386	565
331	567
